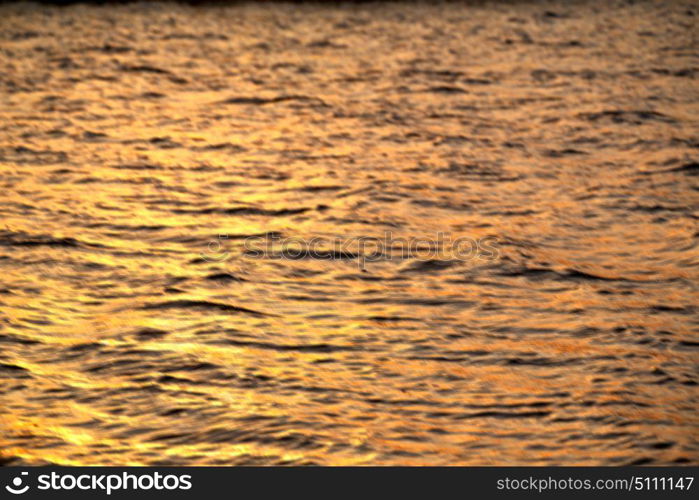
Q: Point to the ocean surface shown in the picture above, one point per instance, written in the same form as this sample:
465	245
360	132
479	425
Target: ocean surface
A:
142	146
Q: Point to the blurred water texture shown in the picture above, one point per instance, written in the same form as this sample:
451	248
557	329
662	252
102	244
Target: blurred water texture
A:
133	136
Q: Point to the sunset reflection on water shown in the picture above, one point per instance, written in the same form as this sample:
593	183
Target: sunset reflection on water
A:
135	137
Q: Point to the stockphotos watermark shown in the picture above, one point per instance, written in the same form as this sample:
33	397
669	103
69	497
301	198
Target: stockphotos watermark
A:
362	249
106	483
